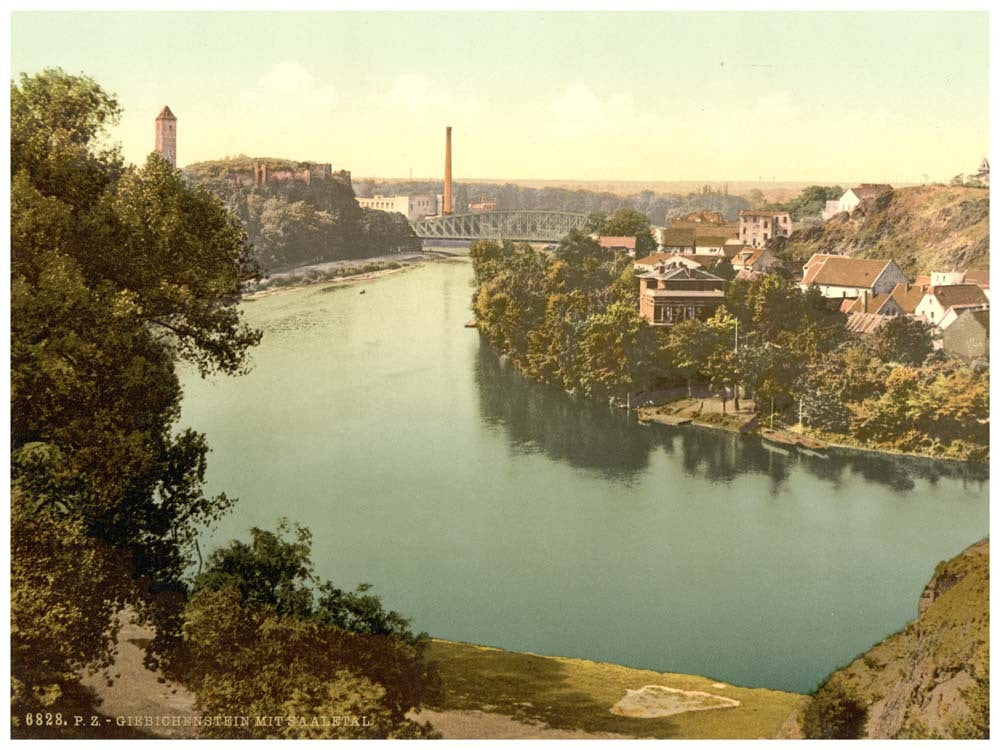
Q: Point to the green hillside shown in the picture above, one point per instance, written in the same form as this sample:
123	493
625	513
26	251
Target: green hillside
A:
932	678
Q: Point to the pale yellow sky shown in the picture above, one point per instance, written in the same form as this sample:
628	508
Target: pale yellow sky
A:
900	97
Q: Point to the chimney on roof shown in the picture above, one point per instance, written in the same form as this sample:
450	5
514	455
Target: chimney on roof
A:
447	208
864	300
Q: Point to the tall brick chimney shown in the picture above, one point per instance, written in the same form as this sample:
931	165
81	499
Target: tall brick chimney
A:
447	207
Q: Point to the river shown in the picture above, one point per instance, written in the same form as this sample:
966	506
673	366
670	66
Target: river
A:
496	511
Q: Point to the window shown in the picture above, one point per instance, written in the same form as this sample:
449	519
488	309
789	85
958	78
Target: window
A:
690	312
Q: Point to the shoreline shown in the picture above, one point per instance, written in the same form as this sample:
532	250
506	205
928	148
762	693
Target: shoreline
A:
404	262
757	431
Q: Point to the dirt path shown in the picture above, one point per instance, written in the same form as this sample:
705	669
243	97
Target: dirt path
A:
137	693
480	725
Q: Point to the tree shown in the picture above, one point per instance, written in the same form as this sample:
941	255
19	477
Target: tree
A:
722	363
264	637
836	712
689	347
627	222
618	352
903	340
65	591
115	272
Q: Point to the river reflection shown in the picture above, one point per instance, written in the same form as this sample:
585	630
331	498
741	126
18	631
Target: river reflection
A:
609	441
493	510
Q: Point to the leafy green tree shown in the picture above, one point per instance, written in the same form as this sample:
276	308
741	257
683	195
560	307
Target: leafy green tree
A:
835	712
689	347
65	590
627	222
618	350
263	636
903	340
722	364
115	272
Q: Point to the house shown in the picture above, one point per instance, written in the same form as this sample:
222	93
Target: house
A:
878	304
710	244
853	197
621	244
841	276
758	259
831	209
757	227
969	336
672	292
908	296
650	262
674	240
939	299
955	311
970	276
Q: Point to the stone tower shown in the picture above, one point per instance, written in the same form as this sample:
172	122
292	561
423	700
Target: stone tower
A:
166	136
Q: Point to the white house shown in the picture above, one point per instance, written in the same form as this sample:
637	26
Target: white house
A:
938	300
853	197
758	259
841	276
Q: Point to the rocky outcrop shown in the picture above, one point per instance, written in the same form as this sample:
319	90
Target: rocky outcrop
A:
925	228
925	681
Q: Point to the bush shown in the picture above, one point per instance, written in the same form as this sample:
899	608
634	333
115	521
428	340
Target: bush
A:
836	712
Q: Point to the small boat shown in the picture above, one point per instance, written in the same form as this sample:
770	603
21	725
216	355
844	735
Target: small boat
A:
362	291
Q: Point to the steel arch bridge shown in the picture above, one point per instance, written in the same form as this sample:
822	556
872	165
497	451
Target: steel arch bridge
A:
519	226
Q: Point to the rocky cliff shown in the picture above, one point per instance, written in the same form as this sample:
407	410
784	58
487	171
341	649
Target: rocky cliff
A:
932	678
924	228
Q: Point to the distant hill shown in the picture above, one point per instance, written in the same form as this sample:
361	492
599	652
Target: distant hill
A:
303	213
932	678
924	228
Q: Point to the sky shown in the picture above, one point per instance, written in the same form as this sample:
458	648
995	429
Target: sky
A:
788	96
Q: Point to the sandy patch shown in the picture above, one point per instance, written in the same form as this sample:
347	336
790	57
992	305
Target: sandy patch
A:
654	701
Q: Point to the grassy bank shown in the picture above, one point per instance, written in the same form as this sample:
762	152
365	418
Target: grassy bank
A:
575	694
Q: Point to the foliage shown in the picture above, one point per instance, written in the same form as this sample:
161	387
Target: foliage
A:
940	409
903	340
836	712
617	351
115	271
65	590
264	638
569	319
292	224
627	222
811	201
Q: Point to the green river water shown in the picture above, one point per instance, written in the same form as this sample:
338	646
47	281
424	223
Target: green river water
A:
496	511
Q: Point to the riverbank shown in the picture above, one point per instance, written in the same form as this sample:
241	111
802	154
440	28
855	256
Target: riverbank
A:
712	413
340	272
489	693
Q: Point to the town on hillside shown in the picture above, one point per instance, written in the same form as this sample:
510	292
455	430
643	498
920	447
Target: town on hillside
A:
698	254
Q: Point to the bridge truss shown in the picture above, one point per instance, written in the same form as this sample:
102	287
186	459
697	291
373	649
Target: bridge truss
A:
518	226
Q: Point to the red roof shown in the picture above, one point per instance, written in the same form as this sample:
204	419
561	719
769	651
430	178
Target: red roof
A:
839	270
958	294
614	242
977	277
166	114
